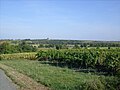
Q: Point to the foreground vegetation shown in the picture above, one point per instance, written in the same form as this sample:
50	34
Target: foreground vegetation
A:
105	60
22	81
62	78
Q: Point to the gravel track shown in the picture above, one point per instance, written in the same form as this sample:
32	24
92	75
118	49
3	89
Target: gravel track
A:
5	82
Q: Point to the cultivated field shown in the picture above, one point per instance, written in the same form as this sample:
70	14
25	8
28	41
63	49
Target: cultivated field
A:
65	69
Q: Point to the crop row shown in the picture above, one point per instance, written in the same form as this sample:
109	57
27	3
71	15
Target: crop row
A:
100	59
30	56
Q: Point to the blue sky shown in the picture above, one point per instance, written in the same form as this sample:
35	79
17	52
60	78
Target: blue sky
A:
60	19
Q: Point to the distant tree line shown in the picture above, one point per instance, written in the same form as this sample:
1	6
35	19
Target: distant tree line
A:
56	46
7	48
82	43
28	45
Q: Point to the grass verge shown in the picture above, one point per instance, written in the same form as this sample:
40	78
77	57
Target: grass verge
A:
62	78
22	81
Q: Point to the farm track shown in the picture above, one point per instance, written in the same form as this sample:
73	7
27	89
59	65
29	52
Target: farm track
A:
24	82
5	82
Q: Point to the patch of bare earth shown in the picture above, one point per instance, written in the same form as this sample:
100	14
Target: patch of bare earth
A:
24	82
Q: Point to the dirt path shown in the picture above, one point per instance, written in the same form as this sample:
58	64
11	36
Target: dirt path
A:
25	82
5	82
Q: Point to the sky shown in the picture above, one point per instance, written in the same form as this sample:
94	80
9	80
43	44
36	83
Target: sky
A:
60	19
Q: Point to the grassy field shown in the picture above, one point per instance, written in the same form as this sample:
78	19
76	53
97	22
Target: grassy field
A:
62	78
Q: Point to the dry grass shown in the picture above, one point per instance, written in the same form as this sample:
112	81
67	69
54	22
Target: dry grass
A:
24	82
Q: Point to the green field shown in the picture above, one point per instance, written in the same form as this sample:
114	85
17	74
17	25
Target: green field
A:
62	78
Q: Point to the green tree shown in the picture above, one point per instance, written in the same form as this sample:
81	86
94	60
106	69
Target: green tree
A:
6	48
41	46
76	46
58	47
24	47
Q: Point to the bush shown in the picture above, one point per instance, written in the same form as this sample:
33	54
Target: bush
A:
7	48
